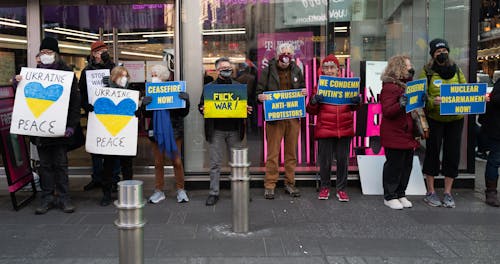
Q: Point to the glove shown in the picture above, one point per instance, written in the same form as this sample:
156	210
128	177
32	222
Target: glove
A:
90	108
402	101
317	98
356	100
105	80
69	132
137	113
147	100
184	96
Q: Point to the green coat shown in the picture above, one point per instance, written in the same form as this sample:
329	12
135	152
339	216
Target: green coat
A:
269	78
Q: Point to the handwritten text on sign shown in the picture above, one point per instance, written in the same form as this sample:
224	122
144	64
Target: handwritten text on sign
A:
415	91
165	95
94	80
284	104
225	101
338	91
460	99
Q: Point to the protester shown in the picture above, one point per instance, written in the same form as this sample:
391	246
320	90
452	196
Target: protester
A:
52	151
281	74
334	130
445	130
397	131
166	132
492	130
221	132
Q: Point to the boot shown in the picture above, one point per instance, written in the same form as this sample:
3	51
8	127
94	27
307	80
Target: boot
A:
46	204
491	193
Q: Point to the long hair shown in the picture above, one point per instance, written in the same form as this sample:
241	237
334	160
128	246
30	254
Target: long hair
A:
396	67
117	72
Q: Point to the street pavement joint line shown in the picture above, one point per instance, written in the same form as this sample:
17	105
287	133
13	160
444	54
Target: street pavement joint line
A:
441	249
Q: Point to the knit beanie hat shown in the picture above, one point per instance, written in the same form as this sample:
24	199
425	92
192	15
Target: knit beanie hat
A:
50	44
98	45
436	44
330	60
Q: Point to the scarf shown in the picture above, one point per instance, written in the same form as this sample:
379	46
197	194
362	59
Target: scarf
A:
446	71
164	133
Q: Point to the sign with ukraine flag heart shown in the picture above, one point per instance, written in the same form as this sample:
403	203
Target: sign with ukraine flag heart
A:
112	126
41	103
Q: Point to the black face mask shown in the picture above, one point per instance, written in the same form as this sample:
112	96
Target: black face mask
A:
105	57
442	57
411	72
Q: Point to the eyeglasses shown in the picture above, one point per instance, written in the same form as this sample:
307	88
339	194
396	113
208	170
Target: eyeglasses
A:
329	68
99	52
224	68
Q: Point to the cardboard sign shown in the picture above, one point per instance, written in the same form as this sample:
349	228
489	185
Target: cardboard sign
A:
415	91
41	103
463	99
112	126
338	91
286	104
165	95
94	80
225	101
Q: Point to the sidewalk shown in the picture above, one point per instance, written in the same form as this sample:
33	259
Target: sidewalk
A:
285	230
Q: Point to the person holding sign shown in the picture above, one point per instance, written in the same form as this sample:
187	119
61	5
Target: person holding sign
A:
492	129
98	59
166	132
445	130
221	131
281	74
53	150
397	132
334	131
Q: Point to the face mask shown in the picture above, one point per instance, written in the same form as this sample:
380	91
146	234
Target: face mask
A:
155	79
47	59
122	81
105	57
411	72
284	58
226	73
442	57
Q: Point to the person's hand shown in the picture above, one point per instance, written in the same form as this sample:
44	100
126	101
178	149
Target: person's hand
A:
317	98
437	100
356	100
147	100
249	109
488	99
69	132
184	96
303	91
262	97
105	80
90	108
18	78
403	100
201	109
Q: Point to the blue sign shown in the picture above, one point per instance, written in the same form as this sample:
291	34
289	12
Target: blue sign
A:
338	91
165	95
414	92
463	99
285	104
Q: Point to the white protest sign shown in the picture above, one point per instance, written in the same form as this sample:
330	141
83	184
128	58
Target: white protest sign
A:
94	80
41	103
136	70
112	126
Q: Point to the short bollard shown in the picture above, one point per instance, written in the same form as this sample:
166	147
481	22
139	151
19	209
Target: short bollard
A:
240	181
130	222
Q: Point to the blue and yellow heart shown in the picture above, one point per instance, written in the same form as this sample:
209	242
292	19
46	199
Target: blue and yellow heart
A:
114	117
40	98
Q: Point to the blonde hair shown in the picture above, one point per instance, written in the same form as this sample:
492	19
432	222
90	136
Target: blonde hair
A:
396	67
117	72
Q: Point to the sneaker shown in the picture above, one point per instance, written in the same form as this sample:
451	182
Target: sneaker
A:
269	194
67	206
292	190
212	200
432	199
324	193
44	207
342	196
157	197
393	204
404	201
182	196
448	201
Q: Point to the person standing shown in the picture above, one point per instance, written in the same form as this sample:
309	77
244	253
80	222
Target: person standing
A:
334	130
397	132
281	74
166	133
221	132
445	130
492	130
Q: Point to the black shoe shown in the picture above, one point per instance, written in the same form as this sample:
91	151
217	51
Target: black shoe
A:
212	200
91	185
114	187
67	206
44	207
106	200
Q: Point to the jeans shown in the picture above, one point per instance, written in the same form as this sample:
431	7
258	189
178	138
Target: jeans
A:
493	162
216	150
97	168
53	171
109	164
326	149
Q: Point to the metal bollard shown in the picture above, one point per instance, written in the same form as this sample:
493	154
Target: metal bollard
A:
130	222
240	181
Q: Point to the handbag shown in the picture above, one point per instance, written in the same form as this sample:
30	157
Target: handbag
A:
421	127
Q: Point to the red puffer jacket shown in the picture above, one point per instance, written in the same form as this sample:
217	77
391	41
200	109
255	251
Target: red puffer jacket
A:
396	130
333	120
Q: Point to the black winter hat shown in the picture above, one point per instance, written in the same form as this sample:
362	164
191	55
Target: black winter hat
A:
436	44
50	43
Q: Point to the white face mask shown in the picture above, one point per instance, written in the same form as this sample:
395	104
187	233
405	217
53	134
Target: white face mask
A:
122	81
47	59
155	79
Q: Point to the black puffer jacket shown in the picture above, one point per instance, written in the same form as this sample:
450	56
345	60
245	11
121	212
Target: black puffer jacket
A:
492	117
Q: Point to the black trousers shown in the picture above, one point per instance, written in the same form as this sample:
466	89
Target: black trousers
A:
109	163
397	170
53	171
327	147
